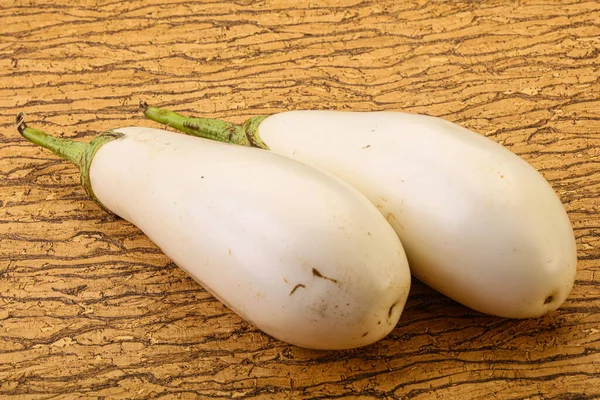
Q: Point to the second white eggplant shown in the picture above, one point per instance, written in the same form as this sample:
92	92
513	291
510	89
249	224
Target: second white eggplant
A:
478	223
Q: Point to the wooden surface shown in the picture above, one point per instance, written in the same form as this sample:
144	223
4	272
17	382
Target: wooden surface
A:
90	308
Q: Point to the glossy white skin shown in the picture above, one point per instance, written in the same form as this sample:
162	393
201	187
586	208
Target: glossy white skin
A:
478	223
250	225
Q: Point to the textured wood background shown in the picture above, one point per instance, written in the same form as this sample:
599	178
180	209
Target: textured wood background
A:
89	307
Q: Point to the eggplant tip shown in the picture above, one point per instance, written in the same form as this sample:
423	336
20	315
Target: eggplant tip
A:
21	125
143	105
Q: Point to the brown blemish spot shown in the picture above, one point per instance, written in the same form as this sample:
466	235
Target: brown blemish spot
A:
365	334
316	273
285	280
391	310
296	287
366	147
549	299
319	310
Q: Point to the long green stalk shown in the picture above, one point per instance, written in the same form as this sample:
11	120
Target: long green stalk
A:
209	128
79	153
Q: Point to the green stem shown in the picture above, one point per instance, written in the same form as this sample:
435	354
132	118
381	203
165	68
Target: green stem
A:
66	148
209	128
80	154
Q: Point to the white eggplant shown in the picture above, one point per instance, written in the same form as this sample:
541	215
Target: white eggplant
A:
478	223
292	249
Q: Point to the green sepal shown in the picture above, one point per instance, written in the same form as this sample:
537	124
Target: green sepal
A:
250	127
86	162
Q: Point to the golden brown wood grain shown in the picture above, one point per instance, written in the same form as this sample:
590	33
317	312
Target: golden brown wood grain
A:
90	308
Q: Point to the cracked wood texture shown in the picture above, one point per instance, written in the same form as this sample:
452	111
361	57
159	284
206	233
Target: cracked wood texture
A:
90	308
